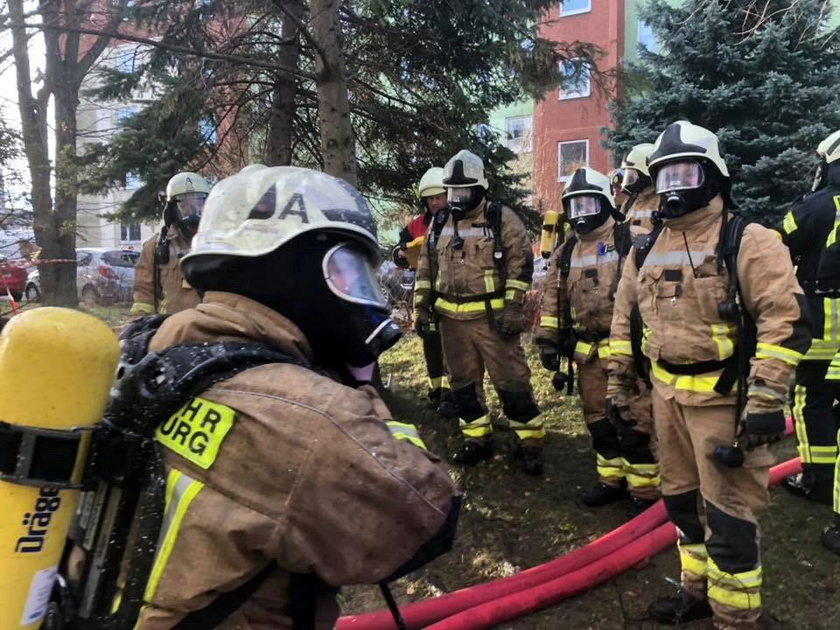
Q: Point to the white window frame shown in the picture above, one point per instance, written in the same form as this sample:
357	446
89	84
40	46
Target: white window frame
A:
566	95
127	227
564	13
526	141
566	178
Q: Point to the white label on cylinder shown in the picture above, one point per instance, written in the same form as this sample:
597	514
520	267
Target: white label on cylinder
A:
39	595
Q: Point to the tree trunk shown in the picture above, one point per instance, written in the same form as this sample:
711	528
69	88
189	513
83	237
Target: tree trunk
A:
337	142
278	150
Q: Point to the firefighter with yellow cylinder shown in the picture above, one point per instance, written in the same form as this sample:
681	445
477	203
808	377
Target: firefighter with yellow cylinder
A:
56	368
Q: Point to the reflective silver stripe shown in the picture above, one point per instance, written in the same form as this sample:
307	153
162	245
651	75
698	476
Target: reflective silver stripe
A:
677	258
593	259
642	214
464	232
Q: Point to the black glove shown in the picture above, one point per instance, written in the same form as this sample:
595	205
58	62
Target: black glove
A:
762	428
549	357
421	321
511	321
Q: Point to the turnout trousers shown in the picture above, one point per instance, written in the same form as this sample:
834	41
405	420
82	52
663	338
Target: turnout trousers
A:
815	423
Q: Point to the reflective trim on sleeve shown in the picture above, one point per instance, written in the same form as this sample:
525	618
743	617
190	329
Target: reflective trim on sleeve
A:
478	428
467	307
407	432
720	335
621	347
546	321
422	284
772	351
517	284
489	281
789	223
142	308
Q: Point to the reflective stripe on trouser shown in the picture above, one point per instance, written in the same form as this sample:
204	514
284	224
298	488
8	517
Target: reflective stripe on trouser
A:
592	387
693	567
407	432
814	421
433	354
468	347
476	429
735	597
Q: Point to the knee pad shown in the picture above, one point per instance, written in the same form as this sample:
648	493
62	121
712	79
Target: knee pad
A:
635	446
467	402
733	543
519	406
605	438
683	510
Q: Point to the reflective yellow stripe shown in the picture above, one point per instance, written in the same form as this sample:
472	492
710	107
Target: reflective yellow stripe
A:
142	308
534	429
789	223
604	349
419	298
510	295
489	281
694	558
830	319
701	383
720	335
439	382
824	455
180	492
422	284
621	347
736	590
608	468
833	373
467	307
640	475
547	321
798	412
517	284
480	427
407	432
821	350
581	347
772	351
832	236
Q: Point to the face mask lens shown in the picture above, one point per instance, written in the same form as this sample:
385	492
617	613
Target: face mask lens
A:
679	176
191	204
583	206
631	176
351	277
458	196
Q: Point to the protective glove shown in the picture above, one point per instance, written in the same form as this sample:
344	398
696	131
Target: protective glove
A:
618	413
761	428
549	356
421	321
511	321
566	341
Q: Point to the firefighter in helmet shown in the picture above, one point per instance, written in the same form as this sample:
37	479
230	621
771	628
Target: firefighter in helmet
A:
473	276
159	285
575	318
642	200
285	257
705	283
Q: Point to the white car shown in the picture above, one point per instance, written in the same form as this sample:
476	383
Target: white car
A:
103	275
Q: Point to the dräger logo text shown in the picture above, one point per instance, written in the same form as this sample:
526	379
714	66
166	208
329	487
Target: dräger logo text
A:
37	522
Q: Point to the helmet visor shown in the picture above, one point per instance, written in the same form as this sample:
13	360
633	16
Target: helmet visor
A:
191	204
679	176
350	275
583	206
460	196
631	176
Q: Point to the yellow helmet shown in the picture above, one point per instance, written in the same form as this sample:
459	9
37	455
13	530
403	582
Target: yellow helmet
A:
637	158
431	183
829	149
184	183
260	209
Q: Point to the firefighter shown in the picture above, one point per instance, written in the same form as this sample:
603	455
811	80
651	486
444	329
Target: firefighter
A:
642	200
159	285
616	176
473	276
575	318
265	468
807	230
689	279
432	195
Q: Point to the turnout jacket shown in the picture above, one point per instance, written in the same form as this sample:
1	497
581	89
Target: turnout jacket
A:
295	468
175	293
678	290
460	283
594	269
638	209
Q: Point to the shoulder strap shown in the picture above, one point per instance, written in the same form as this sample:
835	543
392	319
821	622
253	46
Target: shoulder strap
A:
644	244
565	261
493	214
622	238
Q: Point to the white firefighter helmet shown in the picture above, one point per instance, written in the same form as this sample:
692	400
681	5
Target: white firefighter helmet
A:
185	183
431	183
829	149
464	170
637	158
588	181
254	212
683	139
250	168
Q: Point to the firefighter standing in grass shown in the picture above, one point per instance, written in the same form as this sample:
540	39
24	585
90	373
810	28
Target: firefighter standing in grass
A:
433	197
695	337
575	318
642	200
473	277
159	285
299	470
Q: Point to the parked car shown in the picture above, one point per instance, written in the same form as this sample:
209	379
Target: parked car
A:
12	277
103	275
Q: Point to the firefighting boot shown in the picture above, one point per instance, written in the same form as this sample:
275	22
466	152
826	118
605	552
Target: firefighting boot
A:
681	607
637	506
811	486
434	397
446	408
473	451
830	537
603	494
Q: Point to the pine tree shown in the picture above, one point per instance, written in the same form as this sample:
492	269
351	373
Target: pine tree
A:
762	75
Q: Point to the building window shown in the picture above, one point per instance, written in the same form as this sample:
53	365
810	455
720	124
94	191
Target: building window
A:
519	136
576	82
570	157
129	232
647	38
573	7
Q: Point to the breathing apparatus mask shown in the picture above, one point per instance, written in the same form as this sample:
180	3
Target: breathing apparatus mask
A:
634	182
184	211
684	187
585	213
462	200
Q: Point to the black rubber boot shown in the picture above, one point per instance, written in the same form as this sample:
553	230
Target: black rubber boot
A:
434	397
637	506
446	408
532	460
681	607
603	494
830	539
811	487
473	451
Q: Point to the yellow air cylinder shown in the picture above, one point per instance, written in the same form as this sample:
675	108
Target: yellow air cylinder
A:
548	238
56	368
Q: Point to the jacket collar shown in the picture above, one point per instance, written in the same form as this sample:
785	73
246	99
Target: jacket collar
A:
601	233
699	220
